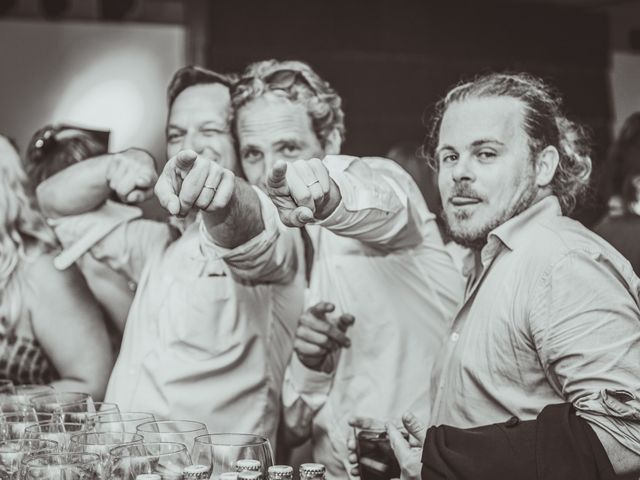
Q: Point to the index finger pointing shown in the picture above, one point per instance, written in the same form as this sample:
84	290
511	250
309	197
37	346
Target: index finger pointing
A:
167	195
185	159
278	175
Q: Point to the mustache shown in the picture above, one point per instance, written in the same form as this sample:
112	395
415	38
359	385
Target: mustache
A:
464	191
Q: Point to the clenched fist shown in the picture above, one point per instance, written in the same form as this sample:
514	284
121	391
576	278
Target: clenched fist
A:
131	174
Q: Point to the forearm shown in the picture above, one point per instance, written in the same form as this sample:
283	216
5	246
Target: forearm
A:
239	222
77	189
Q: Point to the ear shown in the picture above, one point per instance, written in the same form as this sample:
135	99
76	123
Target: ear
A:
333	143
546	165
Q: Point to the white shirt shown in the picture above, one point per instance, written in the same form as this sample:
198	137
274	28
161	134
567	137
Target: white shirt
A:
552	316
210	330
379	257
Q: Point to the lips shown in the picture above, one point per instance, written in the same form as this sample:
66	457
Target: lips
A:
460	201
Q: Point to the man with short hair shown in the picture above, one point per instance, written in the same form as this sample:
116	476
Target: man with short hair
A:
211	327
549	330
374	255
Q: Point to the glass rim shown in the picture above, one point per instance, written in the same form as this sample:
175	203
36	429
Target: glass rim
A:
20	441
196	426
41	424
61	394
75	437
93	456
176	447
137	416
207	439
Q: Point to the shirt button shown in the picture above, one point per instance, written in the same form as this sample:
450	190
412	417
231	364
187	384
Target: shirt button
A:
455	336
132	285
512	422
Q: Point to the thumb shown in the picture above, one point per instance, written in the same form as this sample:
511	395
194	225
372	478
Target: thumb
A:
415	427
185	159
345	321
278	175
399	445
301	216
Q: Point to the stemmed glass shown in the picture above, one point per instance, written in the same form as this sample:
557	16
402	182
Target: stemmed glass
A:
13	425
121	422
55	402
167	459
85	412
63	466
58	431
14	452
101	444
221	452
180	431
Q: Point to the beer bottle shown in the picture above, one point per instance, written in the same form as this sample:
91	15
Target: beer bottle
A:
280	472
312	471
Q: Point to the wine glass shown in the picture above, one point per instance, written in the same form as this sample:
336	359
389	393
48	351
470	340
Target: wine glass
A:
26	391
13	404
7	387
63	466
13	425
101	444
227	452
58	431
122	421
180	431
14	452
55	402
85	412
167	459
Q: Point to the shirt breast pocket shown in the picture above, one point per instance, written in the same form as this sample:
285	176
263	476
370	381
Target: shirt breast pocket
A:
201	317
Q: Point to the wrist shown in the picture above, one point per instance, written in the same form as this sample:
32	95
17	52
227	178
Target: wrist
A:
331	202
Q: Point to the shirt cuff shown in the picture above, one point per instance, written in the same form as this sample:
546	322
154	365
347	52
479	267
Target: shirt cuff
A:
306	381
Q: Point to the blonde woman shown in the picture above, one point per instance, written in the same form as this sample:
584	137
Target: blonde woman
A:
51	329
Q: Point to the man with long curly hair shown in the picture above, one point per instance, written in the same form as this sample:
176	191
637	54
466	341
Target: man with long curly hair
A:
549	330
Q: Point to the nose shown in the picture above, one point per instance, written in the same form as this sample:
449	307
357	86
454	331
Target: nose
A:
463	169
193	141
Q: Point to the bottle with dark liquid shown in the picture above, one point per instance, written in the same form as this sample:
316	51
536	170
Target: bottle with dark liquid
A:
375	456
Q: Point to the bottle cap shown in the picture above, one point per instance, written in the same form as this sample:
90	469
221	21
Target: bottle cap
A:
312	469
280	471
248	464
249	475
197	472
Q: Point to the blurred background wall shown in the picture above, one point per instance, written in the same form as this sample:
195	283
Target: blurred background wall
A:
106	63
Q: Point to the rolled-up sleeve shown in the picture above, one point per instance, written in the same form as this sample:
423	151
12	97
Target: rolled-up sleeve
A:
586	326
269	257
378	205
115	235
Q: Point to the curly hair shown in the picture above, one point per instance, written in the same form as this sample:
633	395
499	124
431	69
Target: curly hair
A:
24	232
63	147
321	101
545	125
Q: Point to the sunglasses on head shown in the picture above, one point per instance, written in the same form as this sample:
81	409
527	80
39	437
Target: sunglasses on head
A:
51	136
278	80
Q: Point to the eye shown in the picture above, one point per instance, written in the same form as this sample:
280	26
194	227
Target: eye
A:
211	132
174	137
290	149
448	158
486	155
252	156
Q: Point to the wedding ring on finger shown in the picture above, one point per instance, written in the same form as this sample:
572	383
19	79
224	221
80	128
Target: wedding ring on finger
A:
211	187
313	183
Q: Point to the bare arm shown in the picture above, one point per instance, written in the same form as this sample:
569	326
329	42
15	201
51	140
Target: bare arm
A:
69	325
239	221
84	186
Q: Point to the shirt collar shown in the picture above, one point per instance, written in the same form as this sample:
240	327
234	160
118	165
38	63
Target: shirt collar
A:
515	231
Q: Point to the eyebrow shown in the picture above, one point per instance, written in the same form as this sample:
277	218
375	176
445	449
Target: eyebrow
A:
484	141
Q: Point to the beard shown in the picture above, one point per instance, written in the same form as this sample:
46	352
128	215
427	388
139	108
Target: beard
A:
476	238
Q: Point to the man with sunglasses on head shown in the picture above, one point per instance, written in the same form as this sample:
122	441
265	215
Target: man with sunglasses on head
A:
212	323
381	287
